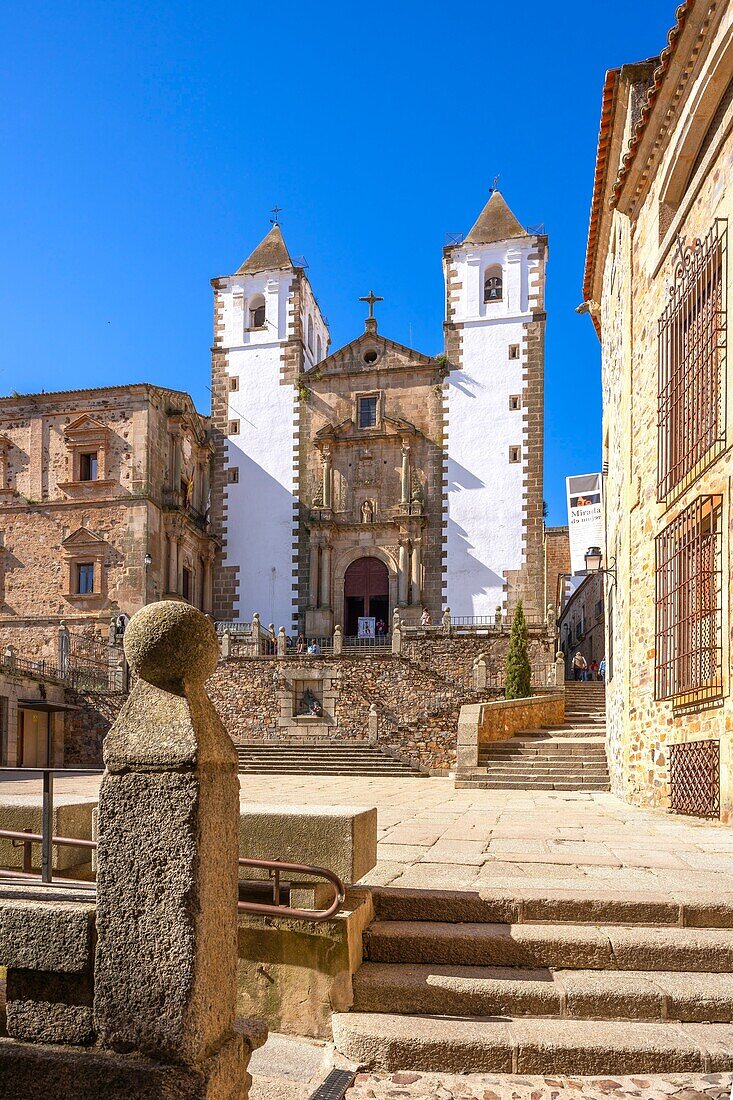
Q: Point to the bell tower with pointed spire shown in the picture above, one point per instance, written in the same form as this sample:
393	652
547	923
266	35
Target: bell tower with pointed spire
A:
268	329
494	342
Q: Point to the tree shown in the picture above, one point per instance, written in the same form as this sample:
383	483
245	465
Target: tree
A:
517	681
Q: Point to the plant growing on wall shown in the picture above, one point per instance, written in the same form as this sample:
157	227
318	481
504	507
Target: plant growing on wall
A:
518	677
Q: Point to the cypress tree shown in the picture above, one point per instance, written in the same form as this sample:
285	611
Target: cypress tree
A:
518	677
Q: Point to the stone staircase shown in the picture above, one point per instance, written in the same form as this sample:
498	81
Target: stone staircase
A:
571	757
547	985
357	758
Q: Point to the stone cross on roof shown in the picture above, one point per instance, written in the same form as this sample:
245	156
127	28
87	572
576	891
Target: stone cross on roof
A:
370	322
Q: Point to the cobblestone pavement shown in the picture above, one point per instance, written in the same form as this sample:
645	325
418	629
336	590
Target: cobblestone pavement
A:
434	837
438	1086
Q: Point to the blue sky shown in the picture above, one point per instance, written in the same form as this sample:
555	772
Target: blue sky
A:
145	143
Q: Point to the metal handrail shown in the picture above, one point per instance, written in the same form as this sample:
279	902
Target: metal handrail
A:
275	866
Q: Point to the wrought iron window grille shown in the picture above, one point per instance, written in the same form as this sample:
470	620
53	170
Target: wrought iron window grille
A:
688	667
692	352
694	778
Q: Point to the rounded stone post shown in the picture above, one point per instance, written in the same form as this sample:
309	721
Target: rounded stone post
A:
479	673
226	645
373	724
282	642
168	835
447	621
338	640
559	669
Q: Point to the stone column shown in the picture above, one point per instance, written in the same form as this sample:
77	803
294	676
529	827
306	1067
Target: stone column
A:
327	477
168	838
325	576
208	600
405	479
402	576
282	642
416	594
373	724
313	583
338	641
172	562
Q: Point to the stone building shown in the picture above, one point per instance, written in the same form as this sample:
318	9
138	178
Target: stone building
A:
364	481
557	564
103	508
582	623
657	285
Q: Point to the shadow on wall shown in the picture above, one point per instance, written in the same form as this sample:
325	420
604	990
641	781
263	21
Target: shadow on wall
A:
261	510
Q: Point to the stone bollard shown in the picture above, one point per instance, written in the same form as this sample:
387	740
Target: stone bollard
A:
373	724
479	673
168	833
396	638
226	645
559	669
446	621
338	641
257	633
282	642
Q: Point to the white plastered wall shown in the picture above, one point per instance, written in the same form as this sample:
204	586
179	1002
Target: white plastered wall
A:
260	506
485	511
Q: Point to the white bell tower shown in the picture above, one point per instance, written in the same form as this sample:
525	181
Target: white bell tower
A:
268	328
494	332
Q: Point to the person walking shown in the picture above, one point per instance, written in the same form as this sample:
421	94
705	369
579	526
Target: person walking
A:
602	670
580	666
593	675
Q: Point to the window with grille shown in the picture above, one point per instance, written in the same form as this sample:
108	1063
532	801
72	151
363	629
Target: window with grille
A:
689	621
692	355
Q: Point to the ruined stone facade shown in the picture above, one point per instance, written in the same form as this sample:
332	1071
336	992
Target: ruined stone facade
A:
103	508
658	288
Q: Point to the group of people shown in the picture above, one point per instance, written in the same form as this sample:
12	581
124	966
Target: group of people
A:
584	671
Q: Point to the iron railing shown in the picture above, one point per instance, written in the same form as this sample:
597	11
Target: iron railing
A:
689	621
692	342
276	868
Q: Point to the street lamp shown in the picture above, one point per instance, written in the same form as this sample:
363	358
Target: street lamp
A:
593	560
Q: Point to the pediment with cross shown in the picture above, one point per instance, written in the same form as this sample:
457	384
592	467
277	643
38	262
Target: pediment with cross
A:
370	353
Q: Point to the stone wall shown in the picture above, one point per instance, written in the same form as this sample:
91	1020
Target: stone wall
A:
87	727
499	720
147	442
418	695
662	209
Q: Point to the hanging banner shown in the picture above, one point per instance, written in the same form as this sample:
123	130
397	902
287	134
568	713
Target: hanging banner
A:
585	517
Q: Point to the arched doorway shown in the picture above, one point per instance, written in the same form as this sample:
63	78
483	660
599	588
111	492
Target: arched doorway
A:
366	592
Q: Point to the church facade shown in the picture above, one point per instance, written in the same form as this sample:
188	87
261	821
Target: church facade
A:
375	478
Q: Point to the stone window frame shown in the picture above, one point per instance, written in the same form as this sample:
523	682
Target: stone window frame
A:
84	548
233	475
515	454
233	382
515	402
514	352
379	413
87	436
233	427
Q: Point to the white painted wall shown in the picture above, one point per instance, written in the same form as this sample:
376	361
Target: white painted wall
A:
260	525
485	534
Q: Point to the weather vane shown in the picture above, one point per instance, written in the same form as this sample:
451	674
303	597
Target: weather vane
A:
495	185
371	298
277	211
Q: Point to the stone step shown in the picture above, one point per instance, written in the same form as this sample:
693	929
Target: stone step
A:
545	1047
529	783
691	909
300	769
560	946
567	994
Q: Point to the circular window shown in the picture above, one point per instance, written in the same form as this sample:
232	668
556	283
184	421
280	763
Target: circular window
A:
370	356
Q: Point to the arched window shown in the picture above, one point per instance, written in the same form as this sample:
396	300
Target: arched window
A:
493	284
310	334
257	312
